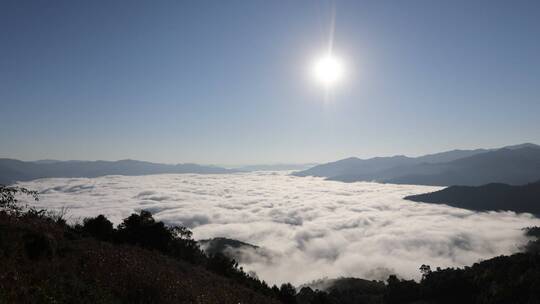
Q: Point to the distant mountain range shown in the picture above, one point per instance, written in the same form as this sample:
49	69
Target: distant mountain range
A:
515	165
488	197
276	167
12	170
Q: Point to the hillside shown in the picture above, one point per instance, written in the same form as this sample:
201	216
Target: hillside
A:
525	198
343	291
505	279
47	263
363	168
369	169
12	170
45	260
236	250
221	245
510	166
514	165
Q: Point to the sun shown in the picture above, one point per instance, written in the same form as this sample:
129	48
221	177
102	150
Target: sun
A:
328	70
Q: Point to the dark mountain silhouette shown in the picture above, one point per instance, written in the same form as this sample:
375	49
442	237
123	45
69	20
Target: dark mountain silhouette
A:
236	250
515	165
12	170
221	244
493	196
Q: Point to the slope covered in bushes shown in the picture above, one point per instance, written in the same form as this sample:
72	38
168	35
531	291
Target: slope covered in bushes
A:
45	260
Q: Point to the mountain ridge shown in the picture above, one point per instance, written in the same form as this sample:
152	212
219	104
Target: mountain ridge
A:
12	170
517	164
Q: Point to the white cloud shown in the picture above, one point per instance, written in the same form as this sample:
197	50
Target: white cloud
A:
314	228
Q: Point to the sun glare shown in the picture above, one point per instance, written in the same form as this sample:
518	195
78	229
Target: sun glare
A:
328	70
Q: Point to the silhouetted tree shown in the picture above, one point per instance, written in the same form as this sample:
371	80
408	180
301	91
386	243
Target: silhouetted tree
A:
183	246
141	229
533	246
8	198
321	297
221	264
287	294
425	270
99	227
401	291
275	290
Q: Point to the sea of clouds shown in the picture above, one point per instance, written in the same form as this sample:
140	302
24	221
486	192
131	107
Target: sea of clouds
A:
311	228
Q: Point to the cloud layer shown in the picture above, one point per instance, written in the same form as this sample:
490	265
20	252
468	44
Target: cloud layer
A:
313	228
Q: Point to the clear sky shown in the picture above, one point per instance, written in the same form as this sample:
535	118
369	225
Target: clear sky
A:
228	82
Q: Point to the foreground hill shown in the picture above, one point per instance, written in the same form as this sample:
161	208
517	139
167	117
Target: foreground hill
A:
44	262
343	291
512	165
505	279
493	196
12	170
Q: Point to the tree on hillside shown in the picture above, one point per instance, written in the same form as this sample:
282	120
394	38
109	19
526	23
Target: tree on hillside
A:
287	294
99	227
141	229
8	198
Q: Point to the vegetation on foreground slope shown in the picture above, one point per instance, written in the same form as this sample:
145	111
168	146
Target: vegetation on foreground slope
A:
45	260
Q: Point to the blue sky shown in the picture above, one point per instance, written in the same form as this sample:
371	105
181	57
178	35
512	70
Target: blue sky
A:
228	82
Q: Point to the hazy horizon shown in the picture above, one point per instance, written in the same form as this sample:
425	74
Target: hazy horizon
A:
238	165
266	163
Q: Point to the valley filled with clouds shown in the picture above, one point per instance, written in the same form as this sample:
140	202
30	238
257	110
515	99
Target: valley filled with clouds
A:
310	228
